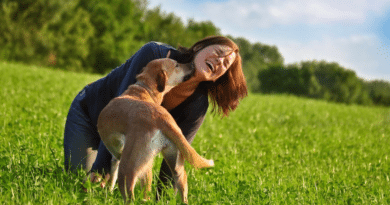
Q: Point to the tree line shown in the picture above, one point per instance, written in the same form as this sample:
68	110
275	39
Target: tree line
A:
266	73
88	35
99	35
324	80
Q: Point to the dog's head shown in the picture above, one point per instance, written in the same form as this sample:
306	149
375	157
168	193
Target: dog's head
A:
166	74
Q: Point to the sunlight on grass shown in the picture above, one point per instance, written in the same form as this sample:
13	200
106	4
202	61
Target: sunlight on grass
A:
274	149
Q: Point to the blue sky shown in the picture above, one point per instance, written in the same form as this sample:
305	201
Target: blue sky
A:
356	35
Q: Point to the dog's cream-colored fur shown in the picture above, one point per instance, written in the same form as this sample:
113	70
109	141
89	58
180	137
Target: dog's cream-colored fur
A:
135	128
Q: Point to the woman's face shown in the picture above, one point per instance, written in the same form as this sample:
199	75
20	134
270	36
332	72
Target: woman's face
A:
213	61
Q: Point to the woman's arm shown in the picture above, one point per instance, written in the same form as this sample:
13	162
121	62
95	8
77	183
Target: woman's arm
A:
99	93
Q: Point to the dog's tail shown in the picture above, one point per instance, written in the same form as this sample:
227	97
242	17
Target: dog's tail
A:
174	134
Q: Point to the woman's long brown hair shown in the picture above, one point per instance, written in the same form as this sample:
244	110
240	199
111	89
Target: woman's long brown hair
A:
226	92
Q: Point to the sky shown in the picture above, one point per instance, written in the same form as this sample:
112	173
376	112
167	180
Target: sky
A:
353	33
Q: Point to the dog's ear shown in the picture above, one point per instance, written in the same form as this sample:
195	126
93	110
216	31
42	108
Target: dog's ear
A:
140	74
161	79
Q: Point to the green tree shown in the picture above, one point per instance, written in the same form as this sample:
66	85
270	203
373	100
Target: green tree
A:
198	30
312	87
45	32
169	28
21	36
117	31
379	92
69	36
257	57
273	79
162	27
314	79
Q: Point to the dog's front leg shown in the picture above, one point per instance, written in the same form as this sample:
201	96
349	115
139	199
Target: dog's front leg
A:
175	162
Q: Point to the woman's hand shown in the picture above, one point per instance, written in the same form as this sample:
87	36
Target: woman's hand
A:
96	178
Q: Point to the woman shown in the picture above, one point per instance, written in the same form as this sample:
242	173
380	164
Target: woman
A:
218	74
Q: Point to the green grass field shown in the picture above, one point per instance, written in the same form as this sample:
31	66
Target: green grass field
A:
274	149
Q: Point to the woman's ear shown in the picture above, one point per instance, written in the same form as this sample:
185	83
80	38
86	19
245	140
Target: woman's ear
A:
161	80
169	53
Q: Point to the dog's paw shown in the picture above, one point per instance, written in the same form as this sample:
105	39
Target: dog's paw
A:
211	163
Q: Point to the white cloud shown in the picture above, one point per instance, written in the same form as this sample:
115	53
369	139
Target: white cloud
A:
357	52
331	30
281	12
180	8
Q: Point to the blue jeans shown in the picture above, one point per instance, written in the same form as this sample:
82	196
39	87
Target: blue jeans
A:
82	141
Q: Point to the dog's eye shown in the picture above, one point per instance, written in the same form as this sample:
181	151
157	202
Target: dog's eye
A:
177	65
